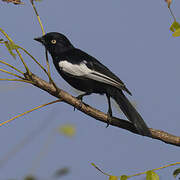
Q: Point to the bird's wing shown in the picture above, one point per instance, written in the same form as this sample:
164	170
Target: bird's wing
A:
83	65
103	74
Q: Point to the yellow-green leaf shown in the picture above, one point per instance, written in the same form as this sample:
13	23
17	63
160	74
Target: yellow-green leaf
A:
10	46
151	175
175	26
113	178
67	130
123	177
176	33
176	172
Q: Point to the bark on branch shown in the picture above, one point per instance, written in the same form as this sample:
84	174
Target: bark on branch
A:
98	115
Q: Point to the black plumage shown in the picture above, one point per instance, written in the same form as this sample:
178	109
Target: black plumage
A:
87	74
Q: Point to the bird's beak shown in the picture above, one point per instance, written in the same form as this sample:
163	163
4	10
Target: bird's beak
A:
40	39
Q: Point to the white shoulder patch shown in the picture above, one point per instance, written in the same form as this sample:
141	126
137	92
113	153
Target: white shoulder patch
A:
83	70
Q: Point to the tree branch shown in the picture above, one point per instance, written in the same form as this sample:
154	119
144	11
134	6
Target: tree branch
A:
98	115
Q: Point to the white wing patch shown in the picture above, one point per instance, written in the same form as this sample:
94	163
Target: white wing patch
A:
74	69
83	70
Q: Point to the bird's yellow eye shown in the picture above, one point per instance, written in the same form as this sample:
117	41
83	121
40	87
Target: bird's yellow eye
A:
53	41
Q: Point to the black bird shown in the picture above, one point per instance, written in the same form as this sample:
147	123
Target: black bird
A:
87	74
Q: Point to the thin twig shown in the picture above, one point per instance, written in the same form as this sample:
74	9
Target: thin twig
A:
20	80
38	17
19	54
138	174
6	35
3	62
162	167
22	60
100	170
15	117
5	71
33	58
43	32
172	14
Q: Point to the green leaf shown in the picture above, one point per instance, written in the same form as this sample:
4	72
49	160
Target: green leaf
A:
175	26
151	175
11	46
176	172
113	178
123	177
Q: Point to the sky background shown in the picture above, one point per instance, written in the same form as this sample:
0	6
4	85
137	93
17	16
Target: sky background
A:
131	38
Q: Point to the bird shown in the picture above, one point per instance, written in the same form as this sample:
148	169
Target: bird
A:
85	73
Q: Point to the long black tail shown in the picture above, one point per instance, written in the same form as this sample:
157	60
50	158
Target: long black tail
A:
130	111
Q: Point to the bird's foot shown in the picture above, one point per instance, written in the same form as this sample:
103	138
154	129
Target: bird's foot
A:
109	118
80	98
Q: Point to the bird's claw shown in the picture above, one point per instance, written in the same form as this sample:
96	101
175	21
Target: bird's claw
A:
109	118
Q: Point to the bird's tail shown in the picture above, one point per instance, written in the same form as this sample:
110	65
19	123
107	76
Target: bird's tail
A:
130	112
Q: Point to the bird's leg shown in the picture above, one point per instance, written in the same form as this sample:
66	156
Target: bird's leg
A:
109	113
80	97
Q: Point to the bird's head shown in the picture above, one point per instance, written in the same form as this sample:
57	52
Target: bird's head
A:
55	43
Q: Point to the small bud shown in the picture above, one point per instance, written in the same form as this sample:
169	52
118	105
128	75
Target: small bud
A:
169	2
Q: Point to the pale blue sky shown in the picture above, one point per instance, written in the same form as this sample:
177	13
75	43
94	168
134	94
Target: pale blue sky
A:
132	38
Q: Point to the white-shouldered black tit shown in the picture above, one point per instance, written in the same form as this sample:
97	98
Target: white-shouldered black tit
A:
87	74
